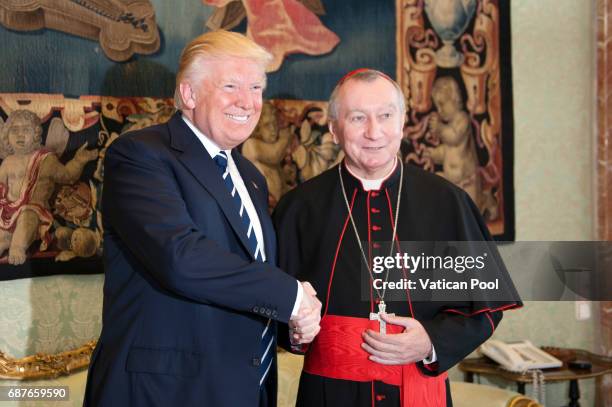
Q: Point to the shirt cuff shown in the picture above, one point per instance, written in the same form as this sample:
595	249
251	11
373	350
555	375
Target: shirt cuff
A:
298	300
432	359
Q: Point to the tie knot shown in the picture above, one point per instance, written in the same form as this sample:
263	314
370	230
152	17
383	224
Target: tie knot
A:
221	161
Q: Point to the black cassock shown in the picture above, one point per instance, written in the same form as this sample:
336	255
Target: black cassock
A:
316	241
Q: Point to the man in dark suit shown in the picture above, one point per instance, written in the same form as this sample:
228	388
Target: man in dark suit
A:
192	292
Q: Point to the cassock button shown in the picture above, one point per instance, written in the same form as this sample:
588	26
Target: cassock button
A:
377	300
380	397
374	210
256	361
376	245
376	228
375	194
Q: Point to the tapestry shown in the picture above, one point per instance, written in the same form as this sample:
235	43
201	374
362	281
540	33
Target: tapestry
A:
281	27
52	150
453	64
123	27
451	58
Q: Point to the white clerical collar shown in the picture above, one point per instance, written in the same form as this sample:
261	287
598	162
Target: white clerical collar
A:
373	184
210	146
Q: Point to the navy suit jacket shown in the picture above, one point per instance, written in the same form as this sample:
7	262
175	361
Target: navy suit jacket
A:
184	301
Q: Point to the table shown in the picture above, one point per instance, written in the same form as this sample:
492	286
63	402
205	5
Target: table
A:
600	365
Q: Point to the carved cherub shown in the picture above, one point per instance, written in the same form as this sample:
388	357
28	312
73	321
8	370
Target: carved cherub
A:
317	150
457	150
79	242
267	147
73	203
28	176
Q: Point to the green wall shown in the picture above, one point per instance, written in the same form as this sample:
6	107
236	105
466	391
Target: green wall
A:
553	55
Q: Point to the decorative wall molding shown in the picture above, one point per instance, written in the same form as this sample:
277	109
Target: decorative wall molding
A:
604	172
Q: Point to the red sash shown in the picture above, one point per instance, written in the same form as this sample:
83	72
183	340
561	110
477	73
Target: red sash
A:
336	353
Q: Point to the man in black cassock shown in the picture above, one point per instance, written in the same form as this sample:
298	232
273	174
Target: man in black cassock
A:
372	197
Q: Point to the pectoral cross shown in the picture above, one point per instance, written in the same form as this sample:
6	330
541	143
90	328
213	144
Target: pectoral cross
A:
376	316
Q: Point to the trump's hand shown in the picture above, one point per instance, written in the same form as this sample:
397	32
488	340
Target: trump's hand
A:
305	326
412	345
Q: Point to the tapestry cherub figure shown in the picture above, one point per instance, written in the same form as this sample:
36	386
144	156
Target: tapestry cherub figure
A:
28	176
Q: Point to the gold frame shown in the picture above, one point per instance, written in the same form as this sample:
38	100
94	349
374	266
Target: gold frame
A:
522	401
46	366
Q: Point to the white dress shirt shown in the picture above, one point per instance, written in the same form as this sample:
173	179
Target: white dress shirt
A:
213	149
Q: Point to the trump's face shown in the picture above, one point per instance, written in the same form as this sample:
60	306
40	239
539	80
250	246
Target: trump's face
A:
369	126
225	104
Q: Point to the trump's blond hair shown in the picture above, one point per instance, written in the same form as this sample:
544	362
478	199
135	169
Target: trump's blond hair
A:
211	46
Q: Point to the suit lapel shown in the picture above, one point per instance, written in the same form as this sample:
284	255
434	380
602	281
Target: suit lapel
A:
196	159
258	196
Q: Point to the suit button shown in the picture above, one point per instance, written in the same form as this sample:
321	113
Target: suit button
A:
274	314
256	361
268	312
255	309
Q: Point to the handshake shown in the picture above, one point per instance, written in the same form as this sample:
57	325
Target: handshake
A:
305	325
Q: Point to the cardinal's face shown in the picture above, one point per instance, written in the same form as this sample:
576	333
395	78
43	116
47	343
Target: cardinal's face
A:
369	126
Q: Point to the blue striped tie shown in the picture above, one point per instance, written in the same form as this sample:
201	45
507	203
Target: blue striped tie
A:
267	336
